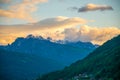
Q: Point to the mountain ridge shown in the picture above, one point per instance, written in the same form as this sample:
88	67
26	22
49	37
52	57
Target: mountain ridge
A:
33	55
102	63
44	47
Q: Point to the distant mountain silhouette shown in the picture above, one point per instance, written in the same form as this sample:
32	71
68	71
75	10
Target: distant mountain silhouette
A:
66	53
27	58
102	64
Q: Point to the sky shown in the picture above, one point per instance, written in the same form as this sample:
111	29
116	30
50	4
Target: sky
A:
93	21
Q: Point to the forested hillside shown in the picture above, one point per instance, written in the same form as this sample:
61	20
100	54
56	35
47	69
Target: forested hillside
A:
103	63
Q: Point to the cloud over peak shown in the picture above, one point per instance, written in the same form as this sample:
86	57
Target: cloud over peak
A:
92	7
45	27
96	35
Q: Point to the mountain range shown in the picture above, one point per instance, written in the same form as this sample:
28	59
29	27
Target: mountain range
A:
66	53
29	57
101	64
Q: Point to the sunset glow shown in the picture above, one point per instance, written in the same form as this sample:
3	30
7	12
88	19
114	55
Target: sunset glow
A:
87	21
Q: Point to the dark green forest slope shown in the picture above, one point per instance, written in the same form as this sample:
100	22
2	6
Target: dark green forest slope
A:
103	63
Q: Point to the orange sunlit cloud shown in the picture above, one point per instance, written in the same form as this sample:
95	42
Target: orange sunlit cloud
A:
50	26
22	10
96	35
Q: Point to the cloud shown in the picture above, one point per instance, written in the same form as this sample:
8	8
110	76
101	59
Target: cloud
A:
60	21
73	8
4	1
9	37
12	14
47	27
63	28
49	23
96	35
22	10
92	7
91	34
